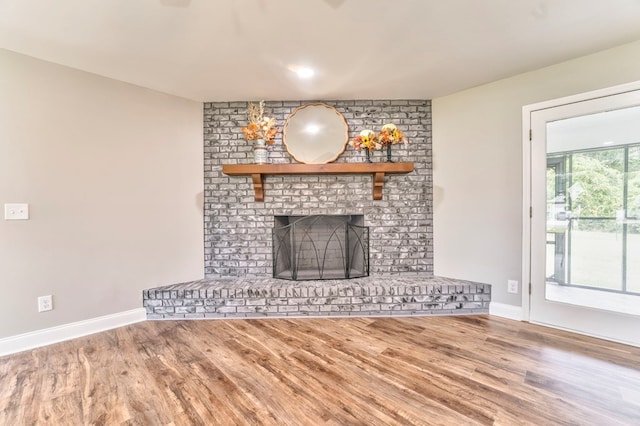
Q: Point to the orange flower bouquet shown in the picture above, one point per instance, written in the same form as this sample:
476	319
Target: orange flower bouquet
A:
260	126
390	135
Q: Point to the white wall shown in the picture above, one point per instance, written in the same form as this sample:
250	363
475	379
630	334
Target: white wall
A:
477	151
113	174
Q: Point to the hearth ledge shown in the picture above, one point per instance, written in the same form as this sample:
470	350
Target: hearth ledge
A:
260	297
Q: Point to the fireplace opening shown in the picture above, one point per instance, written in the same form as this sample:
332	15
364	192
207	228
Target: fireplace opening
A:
320	247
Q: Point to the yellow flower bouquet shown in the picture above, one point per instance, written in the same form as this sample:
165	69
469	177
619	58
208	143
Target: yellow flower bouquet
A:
367	139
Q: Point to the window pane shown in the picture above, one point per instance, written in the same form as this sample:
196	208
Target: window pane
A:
593	209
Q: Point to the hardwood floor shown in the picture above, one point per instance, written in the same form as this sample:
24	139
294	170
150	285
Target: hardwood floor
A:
369	371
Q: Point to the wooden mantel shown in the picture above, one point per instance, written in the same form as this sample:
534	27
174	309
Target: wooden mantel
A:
258	171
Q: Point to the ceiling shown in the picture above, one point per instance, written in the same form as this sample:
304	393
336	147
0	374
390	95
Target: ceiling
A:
223	50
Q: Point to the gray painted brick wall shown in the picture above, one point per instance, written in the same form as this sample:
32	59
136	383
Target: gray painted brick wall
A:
238	229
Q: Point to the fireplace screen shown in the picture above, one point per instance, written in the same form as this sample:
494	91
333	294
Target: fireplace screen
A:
320	247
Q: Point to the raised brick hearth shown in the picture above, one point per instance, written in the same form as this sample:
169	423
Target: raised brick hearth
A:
268	297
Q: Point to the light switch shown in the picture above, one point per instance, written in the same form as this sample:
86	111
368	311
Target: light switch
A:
15	211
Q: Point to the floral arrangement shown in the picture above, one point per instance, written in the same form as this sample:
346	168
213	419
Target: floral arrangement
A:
367	139
390	135
260	126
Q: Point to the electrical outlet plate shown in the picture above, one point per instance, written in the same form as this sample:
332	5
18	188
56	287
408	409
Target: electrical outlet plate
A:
45	303
15	211
512	286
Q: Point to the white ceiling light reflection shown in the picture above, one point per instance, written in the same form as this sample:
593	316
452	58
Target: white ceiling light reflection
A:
303	73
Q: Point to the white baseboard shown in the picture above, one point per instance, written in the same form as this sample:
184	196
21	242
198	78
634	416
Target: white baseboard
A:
506	311
48	336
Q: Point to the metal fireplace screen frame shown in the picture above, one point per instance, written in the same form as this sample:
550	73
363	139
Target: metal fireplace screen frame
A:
320	247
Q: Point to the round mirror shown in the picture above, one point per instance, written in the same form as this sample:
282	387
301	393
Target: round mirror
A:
315	133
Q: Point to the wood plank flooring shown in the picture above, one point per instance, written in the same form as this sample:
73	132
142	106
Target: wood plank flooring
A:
465	370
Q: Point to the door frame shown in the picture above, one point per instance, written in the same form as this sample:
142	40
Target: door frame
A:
527	214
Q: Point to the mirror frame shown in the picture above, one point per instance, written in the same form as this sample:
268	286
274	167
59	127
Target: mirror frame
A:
316	104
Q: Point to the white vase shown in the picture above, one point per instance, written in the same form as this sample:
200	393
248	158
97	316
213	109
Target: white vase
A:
260	152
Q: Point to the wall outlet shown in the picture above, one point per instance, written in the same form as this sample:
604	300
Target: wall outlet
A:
512	286
14	211
45	303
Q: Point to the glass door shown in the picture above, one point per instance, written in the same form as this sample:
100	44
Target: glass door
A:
585	247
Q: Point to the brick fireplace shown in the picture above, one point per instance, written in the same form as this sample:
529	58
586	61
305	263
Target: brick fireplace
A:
238	229
238	279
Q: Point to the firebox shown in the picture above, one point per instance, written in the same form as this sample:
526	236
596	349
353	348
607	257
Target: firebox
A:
320	247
